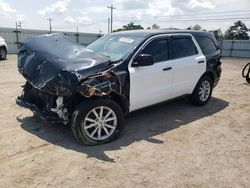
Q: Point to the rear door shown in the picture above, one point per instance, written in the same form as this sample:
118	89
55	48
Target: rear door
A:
188	63
212	52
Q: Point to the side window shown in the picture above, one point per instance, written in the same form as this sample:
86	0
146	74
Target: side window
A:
182	47
207	45
158	49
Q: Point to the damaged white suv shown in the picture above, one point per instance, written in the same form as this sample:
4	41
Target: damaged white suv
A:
93	88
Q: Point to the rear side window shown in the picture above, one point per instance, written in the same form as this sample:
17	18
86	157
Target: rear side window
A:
158	48
182	47
207	45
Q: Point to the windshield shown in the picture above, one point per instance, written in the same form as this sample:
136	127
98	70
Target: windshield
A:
116	47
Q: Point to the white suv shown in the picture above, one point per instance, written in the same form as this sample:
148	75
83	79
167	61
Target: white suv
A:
3	49
93	88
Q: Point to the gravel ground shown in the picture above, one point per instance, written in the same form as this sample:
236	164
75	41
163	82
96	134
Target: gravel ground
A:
170	145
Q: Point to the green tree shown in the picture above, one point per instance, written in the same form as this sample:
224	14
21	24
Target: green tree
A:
217	33
237	32
129	26
196	27
155	26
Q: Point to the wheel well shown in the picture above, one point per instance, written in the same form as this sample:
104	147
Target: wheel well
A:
119	99
3	47
210	74
122	101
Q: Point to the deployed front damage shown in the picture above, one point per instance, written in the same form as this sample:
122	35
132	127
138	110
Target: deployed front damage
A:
61	73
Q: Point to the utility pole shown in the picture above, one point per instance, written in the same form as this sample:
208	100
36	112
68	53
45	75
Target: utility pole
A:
111	17
17	37
19	25
108	25
50	26
77	34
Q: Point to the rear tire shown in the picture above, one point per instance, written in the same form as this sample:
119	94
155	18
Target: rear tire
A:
3	53
97	121
202	92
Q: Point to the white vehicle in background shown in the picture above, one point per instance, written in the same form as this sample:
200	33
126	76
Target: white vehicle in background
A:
3	49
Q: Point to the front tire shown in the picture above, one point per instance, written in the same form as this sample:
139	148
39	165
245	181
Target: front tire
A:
97	121
202	92
3	53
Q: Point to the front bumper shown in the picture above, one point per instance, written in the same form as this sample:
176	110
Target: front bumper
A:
42	114
41	103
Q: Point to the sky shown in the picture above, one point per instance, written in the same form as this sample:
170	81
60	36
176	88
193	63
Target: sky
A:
91	16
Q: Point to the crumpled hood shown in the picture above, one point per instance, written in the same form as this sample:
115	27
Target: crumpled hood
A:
56	65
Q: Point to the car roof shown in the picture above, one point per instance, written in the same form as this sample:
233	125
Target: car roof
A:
150	32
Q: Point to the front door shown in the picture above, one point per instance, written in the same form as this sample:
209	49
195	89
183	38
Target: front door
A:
152	84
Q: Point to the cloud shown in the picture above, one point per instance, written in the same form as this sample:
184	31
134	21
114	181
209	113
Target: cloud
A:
201	4
70	19
133	4
192	5
83	19
5	8
79	20
143	10
20	17
58	7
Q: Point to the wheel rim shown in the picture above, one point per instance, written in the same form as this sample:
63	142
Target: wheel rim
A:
100	123
2	54
204	90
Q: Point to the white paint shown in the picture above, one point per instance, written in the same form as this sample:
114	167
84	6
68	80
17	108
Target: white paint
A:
150	84
187	72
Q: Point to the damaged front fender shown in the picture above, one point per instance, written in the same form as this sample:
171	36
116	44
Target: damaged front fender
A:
105	84
100	85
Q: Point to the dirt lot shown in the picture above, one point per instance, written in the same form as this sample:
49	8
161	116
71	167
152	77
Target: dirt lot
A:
170	145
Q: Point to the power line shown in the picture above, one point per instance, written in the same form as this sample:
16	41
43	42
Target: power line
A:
111	17
205	13
211	19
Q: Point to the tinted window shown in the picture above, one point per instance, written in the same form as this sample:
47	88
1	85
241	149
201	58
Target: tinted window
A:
158	49
182	47
206	44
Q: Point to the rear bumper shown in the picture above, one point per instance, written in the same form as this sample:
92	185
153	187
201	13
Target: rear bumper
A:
217	75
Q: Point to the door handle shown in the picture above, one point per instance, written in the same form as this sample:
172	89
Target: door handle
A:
167	68
201	61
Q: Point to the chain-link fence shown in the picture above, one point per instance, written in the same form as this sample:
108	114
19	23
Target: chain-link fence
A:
230	48
14	36
236	48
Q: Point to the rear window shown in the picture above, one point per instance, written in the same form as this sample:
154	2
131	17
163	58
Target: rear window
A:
207	45
182	47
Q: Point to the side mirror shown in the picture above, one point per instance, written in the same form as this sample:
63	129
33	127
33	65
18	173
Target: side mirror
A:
143	60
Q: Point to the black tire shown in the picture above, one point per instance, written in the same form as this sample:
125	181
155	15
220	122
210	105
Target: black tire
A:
83	109
244	72
195	97
3	53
